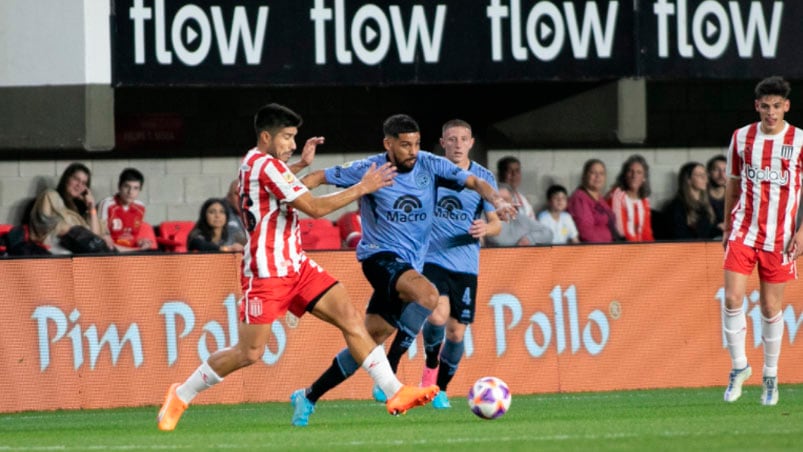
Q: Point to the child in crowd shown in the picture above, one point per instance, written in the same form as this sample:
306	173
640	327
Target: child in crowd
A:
123	214
556	218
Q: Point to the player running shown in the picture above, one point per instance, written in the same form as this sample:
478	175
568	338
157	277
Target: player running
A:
397	222
278	276
452	264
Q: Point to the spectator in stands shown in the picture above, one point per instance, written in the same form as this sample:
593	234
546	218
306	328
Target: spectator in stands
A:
593	217
691	213
556	218
717	178
519	231
210	232
629	200
54	212
235	226
508	171
123	214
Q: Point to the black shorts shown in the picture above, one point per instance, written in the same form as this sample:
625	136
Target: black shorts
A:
461	288
383	270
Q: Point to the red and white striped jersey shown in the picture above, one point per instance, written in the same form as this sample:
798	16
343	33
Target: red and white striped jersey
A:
274	240
632	216
770	169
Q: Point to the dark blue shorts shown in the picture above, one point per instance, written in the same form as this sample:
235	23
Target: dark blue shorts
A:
382	270
461	288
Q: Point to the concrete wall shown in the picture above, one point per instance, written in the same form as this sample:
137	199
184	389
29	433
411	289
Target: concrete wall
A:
175	188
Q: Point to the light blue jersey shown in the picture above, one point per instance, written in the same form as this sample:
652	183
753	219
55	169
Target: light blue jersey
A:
450	245
398	218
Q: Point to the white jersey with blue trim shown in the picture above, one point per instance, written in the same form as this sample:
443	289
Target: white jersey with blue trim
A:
398	218
450	245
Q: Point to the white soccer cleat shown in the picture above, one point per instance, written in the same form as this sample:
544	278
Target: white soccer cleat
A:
769	393
736	378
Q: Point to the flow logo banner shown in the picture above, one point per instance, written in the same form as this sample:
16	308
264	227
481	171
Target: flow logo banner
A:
348	42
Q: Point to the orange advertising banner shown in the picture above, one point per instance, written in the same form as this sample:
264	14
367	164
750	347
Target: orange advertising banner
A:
98	332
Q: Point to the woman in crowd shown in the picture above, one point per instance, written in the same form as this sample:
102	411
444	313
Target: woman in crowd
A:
691	213
210	232
54	212
592	216
629	200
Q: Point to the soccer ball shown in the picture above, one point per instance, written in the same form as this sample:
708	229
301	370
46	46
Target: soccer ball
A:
489	398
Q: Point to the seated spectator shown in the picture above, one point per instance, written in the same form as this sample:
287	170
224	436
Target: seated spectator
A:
691	213
592	216
235	226
520	231
556	218
123	214
717	177
55	212
508	171
629	200
210	232
50	220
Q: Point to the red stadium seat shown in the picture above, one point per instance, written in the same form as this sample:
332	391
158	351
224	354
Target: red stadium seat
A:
146	232
319	234
173	235
350	228
4	228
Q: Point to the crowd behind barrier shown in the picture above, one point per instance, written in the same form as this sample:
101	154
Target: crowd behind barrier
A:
119	218
108	331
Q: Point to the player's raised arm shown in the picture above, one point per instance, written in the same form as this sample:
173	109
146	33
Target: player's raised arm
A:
318	206
314	179
307	154
504	210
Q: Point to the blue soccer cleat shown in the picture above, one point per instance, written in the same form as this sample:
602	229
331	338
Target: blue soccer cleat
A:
302	408
441	401
379	395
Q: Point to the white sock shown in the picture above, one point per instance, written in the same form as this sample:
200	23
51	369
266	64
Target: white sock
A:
378	367
735	327
202	379
771	336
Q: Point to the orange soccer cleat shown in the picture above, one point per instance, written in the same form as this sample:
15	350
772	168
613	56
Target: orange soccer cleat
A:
172	409
410	397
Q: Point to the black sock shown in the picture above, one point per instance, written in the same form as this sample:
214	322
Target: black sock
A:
445	375
433	355
399	345
332	377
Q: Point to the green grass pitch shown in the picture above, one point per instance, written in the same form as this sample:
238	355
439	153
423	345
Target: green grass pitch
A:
649	420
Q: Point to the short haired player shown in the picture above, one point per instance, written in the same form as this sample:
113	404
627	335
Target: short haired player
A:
761	203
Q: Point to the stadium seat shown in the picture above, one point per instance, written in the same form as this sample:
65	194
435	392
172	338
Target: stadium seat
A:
146	232
172	235
319	234
4	228
350	228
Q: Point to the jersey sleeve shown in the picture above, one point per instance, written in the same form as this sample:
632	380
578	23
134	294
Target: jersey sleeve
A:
444	169
347	174
734	166
281	182
489	177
